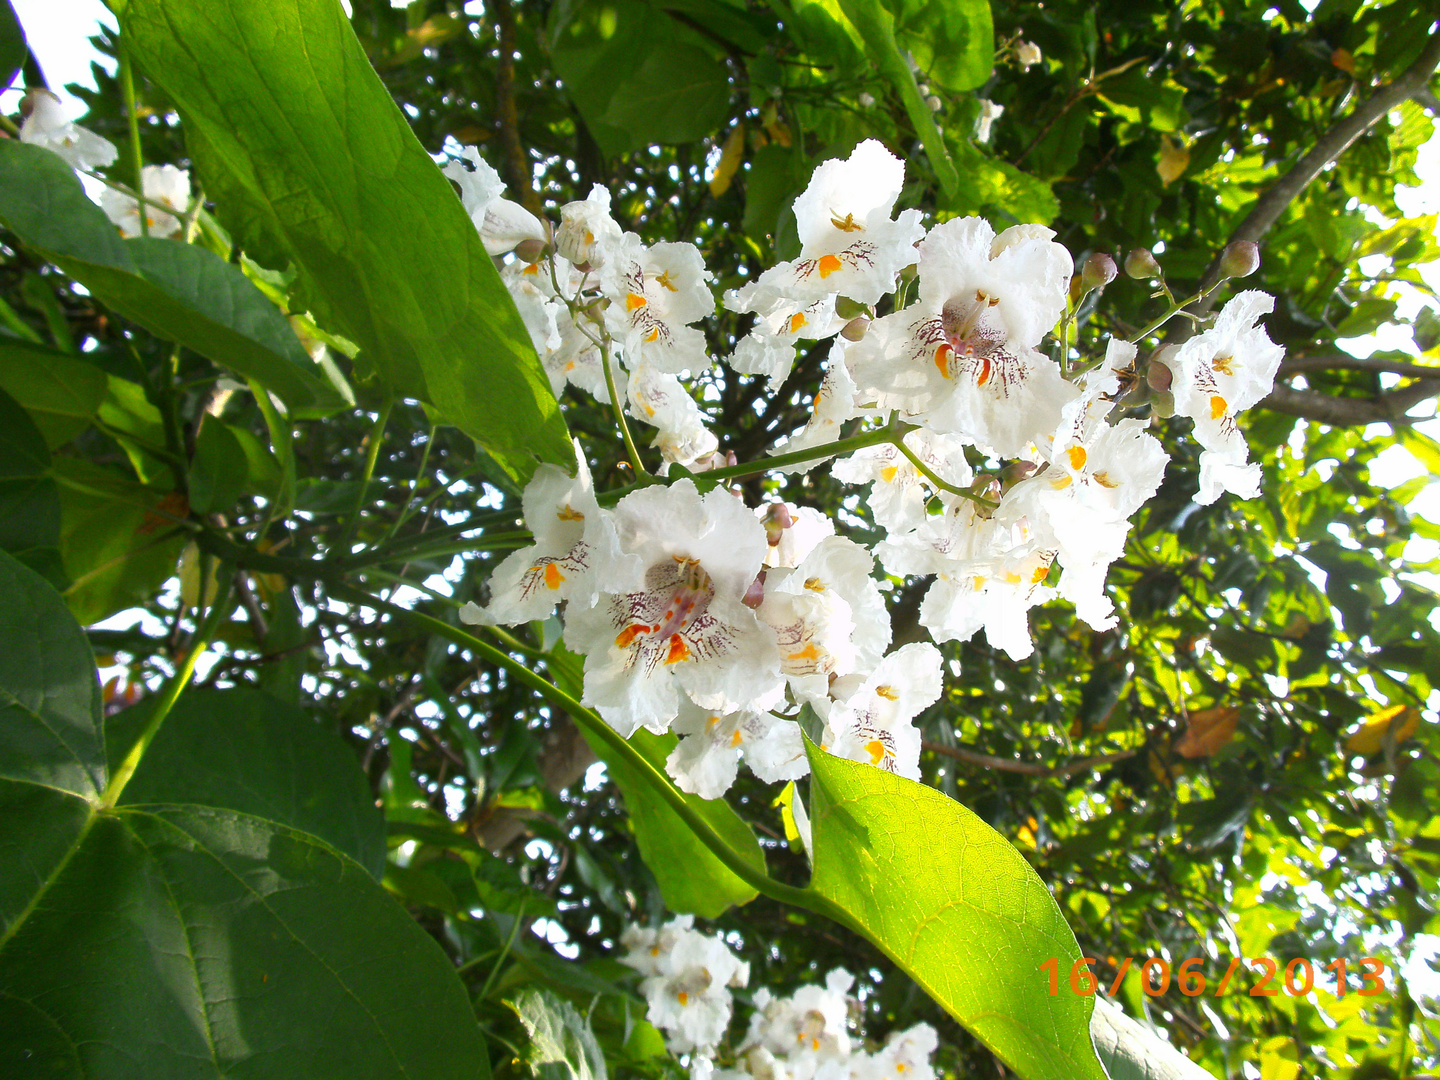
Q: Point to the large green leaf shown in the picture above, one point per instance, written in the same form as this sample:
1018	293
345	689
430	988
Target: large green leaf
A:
181	941
953	903
179	291
301	142
29	503
562	1045
1131	1052
243	750
185	942
60	393
953	41
12	43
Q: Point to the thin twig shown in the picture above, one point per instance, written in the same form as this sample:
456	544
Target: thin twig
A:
1025	768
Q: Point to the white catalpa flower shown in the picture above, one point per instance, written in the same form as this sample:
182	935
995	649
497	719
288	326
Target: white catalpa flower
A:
658	399
833	405
769	348
1027	54
1221	373
708	757
792	531
848	243
646	946
989	113
587	232
165	185
686	626
688	996
502	223
905	1055
875	722
962	360
567	354
809	1024
576	552
898	490
655	292
828	616
48	126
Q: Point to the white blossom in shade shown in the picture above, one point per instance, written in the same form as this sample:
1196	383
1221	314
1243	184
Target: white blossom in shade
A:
792	531
707	758
898	490
989	113
875	723
686	625
905	1055
769	348
567	354
576	552
849	245
962	359
648	945
658	399
502	223
654	293
166	186
48	126
587	232
810	1023
833	405
1221	373
828	616
1027	54
688	997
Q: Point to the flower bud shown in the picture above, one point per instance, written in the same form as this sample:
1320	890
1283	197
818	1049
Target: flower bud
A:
531	251
849	309
1162	404
777	519
1141	264
1158	375
755	594
1098	271
1016	471
934	104
1240	259
855	329
1027	53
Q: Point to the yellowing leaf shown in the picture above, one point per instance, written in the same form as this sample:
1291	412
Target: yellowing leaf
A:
1343	60
1279	1059
1401	720
730	158
1207	731
1174	160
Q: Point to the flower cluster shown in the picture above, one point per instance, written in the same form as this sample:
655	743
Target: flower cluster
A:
698	614
687	981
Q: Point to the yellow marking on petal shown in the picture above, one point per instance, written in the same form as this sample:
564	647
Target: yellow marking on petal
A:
814	584
627	636
664	279
1104	481
1077	457
654	335
654	950
943	356
1011	578
1060	482
978	582
887	692
569	366
683	997
1218	407
876	750
899	1066
679	651
1039	575
532	268
888	473
986	368
712	721
828	264
809	652
797	321
736	738
634	300
589	237
553	576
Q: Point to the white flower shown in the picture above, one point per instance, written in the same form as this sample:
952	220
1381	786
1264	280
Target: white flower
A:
587	232
769	348
848	243
502	223
989	113
828	616
708	756
962	359
686	626
48	126
658	399
1027	54
647	946
811	1023
576	552
655	293
875	723
567	354
898	491
792	531
833	405
689	995
906	1055
165	185
1221	373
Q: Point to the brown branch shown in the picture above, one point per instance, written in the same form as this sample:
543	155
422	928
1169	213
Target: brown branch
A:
1388	408
1339	361
1025	768
1413	81
513	158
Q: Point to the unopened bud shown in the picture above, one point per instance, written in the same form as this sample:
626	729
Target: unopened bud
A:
849	309
924	88
1141	264
755	595
777	520
1158	375
1162	404
1240	259
1099	270
1016	471
530	251
934	103
584	267
855	329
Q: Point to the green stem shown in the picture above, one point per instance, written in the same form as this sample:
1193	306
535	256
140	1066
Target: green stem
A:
509	944
405	511
636	465
282	441
171	693
372	454
137	156
592	722
898	441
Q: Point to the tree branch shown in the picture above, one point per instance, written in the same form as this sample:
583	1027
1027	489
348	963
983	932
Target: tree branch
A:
1339	361
512	155
1388	408
1025	768
1413	81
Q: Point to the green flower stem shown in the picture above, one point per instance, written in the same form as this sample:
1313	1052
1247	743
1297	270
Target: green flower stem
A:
282	440
405	510
591	721
372	455
1176	307
897	440
137	157
636	465
171	693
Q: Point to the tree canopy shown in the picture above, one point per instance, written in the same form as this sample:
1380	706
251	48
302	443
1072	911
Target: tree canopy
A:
273	802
